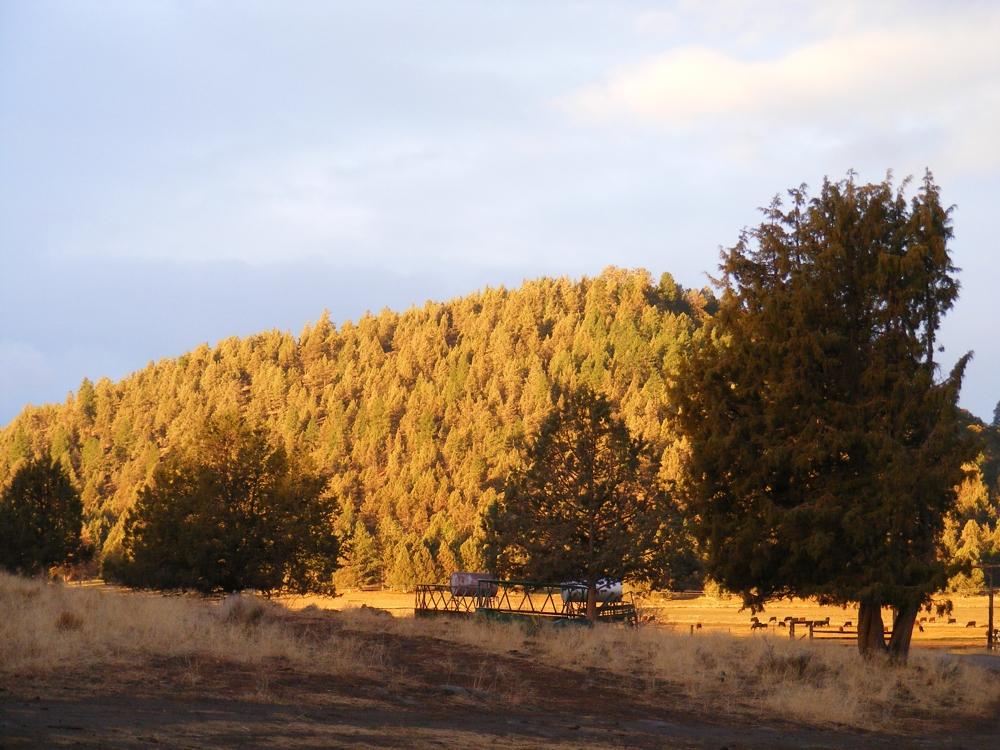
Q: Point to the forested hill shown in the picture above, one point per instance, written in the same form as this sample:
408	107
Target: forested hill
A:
415	416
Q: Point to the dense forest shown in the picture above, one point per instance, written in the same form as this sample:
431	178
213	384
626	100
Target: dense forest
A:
416	417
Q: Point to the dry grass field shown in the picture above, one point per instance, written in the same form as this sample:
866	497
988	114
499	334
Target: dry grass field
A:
681	611
95	665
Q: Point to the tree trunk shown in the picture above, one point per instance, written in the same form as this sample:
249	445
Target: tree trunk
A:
592	601
871	630
902	632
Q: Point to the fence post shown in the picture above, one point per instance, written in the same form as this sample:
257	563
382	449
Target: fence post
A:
989	628
791	628
810	631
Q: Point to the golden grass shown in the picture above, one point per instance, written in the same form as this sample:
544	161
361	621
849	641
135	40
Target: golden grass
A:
44	627
816	683
47	626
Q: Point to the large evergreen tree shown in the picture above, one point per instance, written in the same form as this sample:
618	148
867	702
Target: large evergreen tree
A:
587	505
231	512
41	517
824	452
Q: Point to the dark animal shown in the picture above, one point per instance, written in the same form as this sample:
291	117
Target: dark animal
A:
952	621
971	624
847	624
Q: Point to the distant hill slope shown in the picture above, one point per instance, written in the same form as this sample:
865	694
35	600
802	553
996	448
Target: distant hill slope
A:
416	416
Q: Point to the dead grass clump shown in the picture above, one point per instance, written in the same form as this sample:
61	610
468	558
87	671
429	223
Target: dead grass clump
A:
242	609
69	621
46	626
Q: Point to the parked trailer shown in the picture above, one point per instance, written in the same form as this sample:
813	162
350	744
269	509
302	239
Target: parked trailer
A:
608	590
467	584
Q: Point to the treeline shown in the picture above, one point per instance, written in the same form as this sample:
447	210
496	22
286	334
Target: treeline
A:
415	418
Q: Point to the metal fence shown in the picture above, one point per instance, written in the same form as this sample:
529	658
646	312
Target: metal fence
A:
513	600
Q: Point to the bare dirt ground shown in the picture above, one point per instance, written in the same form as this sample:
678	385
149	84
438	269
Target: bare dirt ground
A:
427	692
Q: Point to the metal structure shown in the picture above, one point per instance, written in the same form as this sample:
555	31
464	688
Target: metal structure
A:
992	633
511	601
434	599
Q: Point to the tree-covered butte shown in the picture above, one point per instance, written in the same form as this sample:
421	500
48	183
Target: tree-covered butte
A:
588	504
416	417
825	454
41	518
228	512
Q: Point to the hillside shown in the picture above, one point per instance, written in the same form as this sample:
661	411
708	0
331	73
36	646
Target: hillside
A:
416	416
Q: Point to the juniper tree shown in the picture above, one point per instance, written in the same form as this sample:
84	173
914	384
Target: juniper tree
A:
587	505
825	452
41	517
230	512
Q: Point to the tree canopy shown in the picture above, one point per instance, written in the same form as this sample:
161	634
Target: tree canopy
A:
588	504
825	455
231	512
41	518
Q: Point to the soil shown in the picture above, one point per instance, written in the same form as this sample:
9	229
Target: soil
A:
425	693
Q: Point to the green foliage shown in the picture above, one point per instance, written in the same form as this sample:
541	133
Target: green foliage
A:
230	513
41	517
587	505
824	456
413	416
972	530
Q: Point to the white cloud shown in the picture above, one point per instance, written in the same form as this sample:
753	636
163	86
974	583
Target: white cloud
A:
939	77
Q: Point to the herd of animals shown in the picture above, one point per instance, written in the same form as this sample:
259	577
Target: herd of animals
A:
756	624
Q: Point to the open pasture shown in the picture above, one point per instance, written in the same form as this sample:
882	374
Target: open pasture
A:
681	612
98	666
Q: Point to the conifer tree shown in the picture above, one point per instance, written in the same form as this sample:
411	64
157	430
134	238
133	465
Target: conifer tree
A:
41	518
587	505
824	452
231	512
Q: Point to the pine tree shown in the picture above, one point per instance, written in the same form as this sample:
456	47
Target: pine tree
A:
587	505
41	518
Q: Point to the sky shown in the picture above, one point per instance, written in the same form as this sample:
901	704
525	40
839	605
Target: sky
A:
173	173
